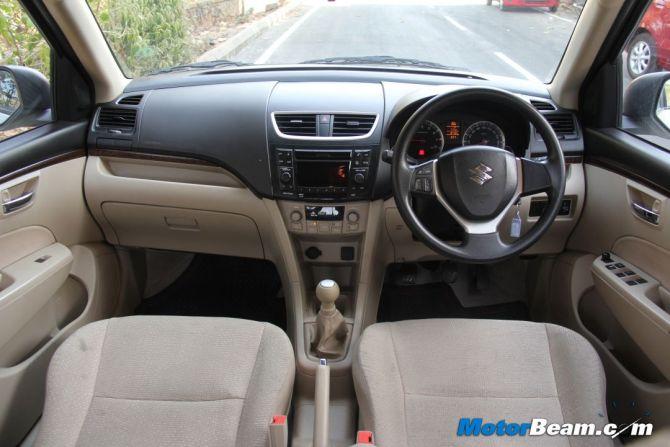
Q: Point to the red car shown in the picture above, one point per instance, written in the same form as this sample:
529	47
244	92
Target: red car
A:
649	50
508	4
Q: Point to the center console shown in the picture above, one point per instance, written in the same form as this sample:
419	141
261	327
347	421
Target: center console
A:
323	174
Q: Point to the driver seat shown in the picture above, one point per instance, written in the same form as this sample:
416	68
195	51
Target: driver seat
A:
416	379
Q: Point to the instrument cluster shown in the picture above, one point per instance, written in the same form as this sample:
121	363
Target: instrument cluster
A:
456	129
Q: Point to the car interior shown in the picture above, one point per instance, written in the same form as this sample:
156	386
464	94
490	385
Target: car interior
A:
331	254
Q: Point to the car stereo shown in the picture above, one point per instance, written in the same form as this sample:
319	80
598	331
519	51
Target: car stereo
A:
322	174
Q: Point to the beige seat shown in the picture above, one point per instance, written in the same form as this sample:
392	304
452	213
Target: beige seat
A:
416	379
167	381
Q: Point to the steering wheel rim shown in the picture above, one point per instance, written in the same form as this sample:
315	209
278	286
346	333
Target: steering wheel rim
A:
480	245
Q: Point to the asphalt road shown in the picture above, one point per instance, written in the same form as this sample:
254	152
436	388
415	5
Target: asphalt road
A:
466	34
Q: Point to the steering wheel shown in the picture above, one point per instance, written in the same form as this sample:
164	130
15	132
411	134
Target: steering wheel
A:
477	185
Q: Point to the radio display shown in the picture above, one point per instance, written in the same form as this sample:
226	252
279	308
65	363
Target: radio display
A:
324	212
322	173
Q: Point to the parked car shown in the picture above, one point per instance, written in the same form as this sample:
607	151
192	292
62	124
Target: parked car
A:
649	50
508	4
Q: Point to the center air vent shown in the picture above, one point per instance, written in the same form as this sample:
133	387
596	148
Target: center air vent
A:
117	118
299	125
563	124
352	125
131	100
542	106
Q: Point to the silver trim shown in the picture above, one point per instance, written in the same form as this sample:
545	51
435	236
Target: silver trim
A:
646	214
18	203
303	138
469	226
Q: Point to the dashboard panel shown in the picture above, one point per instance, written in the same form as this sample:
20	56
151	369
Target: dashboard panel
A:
231	120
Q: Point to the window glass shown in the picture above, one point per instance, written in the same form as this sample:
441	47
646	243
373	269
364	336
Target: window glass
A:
515	38
646	79
25	58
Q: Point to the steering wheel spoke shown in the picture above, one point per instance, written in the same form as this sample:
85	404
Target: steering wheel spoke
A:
422	178
535	177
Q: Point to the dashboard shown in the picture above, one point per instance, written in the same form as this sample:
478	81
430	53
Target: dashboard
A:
314	135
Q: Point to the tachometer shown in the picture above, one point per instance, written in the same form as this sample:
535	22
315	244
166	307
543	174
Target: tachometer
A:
484	133
427	142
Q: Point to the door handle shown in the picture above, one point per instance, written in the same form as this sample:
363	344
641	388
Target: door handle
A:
18	203
645	213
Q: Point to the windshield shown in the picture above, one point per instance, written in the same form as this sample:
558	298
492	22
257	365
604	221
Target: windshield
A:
516	38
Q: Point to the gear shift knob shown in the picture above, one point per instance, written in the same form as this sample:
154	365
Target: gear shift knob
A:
327	291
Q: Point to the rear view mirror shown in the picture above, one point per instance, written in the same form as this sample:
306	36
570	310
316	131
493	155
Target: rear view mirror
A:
25	98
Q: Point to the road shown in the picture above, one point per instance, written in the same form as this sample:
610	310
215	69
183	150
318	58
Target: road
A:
464	34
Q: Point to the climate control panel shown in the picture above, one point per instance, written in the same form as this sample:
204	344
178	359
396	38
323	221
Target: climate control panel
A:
319	219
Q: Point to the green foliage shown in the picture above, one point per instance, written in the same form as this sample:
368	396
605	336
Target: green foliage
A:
20	41
144	34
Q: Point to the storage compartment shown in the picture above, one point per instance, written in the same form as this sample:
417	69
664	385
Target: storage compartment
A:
599	320
634	299
184	229
63	307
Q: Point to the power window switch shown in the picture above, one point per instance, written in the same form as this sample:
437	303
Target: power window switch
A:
620	275
641	281
619	265
631	282
629	273
611	267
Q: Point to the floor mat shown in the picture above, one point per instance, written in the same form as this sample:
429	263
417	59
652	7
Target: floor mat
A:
221	286
438	301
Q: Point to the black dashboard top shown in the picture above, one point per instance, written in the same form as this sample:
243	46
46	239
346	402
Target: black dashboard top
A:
239	120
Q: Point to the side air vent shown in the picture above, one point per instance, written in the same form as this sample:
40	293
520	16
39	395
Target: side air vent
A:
563	124
542	106
352	125
131	100
299	125
117	118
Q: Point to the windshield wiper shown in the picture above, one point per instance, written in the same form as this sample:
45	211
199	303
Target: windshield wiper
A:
381	60
199	66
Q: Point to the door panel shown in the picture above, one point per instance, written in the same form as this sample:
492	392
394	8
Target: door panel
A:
622	306
56	275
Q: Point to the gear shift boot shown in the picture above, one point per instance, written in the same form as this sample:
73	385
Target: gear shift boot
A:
330	338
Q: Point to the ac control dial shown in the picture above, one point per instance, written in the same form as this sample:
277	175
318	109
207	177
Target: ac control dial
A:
296	216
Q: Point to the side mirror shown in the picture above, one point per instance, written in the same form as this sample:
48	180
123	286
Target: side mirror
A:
25	97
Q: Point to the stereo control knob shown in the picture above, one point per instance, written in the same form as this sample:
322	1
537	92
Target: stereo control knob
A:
359	178
353	217
296	216
285	177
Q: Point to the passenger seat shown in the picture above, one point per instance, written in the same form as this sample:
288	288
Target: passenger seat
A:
167	381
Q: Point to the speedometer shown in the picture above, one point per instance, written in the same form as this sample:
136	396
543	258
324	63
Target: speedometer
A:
427	142
484	133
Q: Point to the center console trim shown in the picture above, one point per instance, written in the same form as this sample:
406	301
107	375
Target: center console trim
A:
321	112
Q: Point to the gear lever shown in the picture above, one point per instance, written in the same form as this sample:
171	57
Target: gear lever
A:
331	329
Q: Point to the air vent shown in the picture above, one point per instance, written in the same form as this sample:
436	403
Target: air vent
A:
542	106
563	123
299	125
131	100
352	125
117	118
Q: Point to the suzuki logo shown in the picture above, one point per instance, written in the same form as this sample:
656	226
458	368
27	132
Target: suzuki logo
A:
480	174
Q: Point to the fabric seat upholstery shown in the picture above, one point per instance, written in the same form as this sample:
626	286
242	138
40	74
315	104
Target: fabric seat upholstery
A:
415	379
167	381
